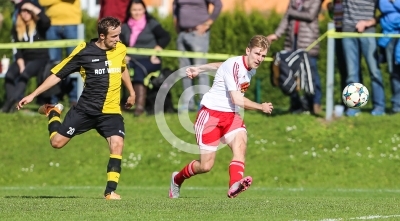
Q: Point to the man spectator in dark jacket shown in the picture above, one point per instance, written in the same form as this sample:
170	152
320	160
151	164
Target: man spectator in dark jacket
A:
193	22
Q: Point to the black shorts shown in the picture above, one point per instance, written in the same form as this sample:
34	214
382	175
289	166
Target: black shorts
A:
76	122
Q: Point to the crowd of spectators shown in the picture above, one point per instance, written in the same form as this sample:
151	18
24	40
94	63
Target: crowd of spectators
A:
58	19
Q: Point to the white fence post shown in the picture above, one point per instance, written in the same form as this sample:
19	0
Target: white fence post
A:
79	81
330	71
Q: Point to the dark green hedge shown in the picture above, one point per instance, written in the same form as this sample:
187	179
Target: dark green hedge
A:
230	34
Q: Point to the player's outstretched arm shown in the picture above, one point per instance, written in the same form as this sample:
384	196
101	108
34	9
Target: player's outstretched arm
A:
238	99
192	72
47	84
126	80
209	67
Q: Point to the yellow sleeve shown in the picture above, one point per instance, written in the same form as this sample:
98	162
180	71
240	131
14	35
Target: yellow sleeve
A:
70	64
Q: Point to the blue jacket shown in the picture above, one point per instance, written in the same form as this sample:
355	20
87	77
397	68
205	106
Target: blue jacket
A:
390	23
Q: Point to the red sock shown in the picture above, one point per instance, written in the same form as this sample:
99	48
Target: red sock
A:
236	170
184	174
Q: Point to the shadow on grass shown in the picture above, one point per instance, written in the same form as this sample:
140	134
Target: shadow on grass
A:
42	197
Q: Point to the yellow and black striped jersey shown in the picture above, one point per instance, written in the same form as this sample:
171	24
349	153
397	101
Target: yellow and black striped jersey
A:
101	71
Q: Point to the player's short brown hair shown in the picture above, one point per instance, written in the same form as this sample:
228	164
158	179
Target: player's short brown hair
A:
106	23
259	41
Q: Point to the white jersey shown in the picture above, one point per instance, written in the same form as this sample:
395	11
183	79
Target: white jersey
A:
232	75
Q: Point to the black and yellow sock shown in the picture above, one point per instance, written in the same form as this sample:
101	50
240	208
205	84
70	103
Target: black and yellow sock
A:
54	122
113	173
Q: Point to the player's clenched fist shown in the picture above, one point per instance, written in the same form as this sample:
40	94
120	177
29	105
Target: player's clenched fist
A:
192	72
267	107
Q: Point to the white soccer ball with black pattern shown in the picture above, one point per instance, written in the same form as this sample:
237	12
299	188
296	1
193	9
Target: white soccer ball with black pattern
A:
355	95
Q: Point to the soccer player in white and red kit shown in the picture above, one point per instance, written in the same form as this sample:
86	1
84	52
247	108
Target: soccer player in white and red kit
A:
219	121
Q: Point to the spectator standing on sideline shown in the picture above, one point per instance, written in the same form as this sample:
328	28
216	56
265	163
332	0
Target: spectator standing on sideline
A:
193	22
336	12
301	26
65	17
113	8
141	30
30	26
390	23
359	16
335	8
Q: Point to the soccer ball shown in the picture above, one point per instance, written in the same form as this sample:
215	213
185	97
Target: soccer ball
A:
355	95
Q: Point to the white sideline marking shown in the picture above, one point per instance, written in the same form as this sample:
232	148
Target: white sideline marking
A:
364	218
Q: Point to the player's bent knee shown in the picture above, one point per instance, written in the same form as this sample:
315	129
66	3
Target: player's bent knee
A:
117	144
58	141
56	144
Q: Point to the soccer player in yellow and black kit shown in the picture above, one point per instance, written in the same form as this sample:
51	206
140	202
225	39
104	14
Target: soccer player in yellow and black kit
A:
101	63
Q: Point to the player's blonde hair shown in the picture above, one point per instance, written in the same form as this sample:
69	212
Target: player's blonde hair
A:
259	41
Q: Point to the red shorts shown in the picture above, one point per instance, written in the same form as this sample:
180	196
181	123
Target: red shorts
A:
213	126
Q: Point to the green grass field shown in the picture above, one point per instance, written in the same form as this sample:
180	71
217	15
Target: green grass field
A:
206	203
303	169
